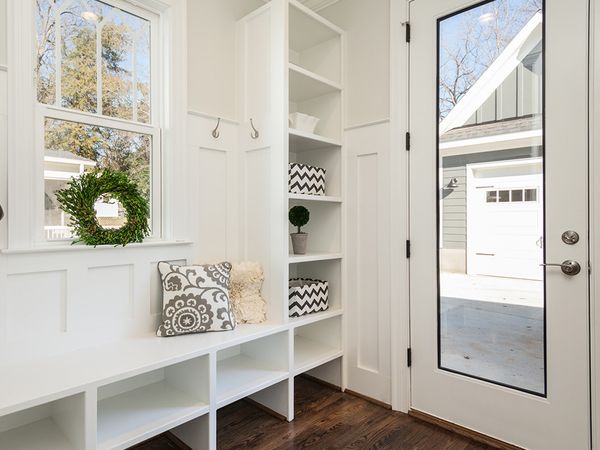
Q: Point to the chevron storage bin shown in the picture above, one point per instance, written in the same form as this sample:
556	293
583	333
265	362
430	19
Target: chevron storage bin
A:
305	179
308	296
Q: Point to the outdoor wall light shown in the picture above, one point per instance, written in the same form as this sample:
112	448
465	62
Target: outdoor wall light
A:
453	183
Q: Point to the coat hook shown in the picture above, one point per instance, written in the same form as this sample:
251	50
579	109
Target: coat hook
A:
215	132
254	134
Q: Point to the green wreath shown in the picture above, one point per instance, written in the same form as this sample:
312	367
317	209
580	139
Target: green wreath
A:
80	195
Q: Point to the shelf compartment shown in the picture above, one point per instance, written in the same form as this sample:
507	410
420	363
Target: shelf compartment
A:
57	425
324	227
306	85
327	270
308	29
135	409
316	344
301	141
251	367
330	159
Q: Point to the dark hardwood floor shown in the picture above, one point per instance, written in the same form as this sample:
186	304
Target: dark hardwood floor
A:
325	419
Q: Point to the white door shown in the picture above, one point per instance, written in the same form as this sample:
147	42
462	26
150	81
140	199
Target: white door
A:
501	349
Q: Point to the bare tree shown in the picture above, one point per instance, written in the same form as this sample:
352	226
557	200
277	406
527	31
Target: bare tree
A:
471	41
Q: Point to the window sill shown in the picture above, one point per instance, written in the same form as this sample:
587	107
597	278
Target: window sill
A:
57	248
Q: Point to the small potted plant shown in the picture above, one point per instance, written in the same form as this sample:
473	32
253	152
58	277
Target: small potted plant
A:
299	216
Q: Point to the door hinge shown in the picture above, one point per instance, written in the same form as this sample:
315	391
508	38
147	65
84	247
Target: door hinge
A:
408	248
407	141
407	31
408	357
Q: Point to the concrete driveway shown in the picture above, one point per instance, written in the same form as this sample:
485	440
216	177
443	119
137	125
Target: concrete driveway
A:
493	328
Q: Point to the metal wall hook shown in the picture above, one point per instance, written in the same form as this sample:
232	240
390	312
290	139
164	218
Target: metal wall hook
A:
215	132
254	134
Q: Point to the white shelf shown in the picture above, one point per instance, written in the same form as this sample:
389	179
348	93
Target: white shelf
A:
309	257
315	317
132	417
309	354
315	198
240	376
308	29
41	435
302	141
305	84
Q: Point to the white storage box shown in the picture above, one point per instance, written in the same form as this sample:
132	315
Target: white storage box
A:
305	179
308	296
303	122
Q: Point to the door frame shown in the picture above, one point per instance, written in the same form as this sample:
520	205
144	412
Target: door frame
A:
399	208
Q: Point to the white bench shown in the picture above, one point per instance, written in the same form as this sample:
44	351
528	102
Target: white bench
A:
114	396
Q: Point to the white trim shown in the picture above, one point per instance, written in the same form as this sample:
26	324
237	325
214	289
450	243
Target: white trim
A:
67	247
594	177
204	115
399	196
488	82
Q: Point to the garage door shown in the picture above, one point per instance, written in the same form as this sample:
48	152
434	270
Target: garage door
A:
505	219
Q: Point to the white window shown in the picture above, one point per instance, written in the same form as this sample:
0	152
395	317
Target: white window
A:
98	102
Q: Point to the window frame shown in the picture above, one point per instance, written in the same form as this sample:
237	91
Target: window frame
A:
153	128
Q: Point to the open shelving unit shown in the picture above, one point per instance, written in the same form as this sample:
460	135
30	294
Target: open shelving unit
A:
121	393
134	409
56	425
251	367
317	343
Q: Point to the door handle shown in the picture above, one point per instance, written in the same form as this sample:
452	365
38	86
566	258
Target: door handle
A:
568	267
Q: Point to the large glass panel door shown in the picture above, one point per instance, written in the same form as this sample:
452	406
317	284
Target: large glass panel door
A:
491	202
499	309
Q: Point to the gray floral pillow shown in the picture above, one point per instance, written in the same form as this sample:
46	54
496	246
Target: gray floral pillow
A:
195	299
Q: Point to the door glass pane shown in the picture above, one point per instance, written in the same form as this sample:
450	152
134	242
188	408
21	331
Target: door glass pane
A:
491	222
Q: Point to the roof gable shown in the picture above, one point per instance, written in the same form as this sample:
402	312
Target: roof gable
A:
522	44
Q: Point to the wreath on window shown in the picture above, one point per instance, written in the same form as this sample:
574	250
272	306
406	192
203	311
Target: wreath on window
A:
80	196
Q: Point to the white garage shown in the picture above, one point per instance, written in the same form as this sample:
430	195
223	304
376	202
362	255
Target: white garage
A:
505	219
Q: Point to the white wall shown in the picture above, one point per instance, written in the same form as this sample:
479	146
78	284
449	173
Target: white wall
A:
367	141
2	32
367	57
212	54
75	297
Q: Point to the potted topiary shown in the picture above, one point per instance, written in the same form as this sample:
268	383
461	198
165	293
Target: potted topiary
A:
299	216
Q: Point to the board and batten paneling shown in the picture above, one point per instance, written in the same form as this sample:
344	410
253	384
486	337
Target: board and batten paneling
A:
62	300
368	232
213	186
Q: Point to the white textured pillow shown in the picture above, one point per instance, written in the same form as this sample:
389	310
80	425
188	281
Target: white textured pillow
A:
246	300
195	299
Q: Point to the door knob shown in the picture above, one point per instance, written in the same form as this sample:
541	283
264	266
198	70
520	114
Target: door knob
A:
568	267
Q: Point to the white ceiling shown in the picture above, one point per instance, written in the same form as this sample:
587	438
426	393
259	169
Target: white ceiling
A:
315	5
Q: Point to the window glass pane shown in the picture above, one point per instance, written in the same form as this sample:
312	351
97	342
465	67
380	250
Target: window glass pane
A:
491	286
72	148
117	68
531	195
516	195
125	66
45	51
